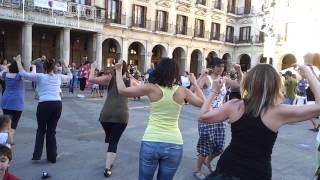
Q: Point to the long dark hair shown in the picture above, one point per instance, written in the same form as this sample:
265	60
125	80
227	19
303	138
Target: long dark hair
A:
113	73
13	68
166	73
49	65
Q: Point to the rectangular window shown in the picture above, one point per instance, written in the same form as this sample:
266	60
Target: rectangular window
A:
247	7
199	28
114	11
244	35
202	2
231	6
217	4
140	16
215	31
182	24
229	34
162	21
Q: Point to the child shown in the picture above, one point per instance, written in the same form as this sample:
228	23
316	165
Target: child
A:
6	137
5	159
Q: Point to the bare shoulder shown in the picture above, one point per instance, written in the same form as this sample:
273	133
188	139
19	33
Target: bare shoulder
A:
235	108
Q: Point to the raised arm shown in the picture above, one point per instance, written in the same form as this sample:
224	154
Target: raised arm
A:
291	113
133	91
197	98
102	80
22	72
235	83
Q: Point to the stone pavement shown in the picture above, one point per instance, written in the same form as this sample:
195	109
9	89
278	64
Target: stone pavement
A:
81	148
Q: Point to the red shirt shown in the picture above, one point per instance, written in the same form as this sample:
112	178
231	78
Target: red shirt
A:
84	71
8	176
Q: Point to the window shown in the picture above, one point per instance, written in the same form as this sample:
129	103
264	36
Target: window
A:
229	34
231	6
84	2
181	24
202	2
244	35
199	28
217	4
215	31
162	19
139	16
114	11
247	7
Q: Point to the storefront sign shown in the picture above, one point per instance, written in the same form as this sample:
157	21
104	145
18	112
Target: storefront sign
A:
51	4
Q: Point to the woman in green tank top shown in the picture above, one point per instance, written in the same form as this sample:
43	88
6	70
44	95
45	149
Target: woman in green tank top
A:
162	141
114	115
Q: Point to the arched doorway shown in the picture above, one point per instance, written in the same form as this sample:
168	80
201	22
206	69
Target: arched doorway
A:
316	60
180	56
287	61
157	53
245	62
136	55
196	62
111	51
227	59
211	55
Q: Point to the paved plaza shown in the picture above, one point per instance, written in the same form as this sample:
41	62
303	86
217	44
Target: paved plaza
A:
81	144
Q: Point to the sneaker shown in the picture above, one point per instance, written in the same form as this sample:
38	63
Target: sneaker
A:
199	175
45	175
81	96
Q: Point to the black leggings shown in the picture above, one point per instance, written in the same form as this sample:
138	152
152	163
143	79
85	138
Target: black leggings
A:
15	116
113	133
83	82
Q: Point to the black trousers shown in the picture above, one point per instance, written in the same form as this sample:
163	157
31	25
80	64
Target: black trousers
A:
48	114
83	82
113	133
15	117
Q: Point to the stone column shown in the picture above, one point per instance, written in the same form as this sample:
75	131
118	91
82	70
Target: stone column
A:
27	45
124	48
66	46
99	50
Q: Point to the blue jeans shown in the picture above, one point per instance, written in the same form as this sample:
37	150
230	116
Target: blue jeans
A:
71	84
167	156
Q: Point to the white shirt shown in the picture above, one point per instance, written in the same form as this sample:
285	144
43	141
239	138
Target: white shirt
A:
185	82
4	139
48	84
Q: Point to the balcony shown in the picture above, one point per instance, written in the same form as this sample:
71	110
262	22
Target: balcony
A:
217	7
240	11
241	40
121	20
66	9
217	37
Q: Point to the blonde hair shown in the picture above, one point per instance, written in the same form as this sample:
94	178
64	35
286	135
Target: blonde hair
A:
261	88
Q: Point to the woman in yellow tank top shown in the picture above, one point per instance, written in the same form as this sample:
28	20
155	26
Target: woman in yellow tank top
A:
162	142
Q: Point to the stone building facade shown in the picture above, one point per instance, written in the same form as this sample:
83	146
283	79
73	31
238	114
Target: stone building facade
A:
138	31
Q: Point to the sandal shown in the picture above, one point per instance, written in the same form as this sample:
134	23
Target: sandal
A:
107	173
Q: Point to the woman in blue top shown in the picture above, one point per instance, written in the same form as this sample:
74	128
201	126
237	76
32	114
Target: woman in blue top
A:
12	102
49	107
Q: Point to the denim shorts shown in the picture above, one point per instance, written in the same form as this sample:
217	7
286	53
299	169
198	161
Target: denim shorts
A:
165	155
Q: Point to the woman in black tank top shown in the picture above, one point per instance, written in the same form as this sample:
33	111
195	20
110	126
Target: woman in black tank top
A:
255	121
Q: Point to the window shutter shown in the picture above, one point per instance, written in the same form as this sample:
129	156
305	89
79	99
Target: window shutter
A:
217	31
186	26
177	24
196	28
203	28
145	16
167	21
119	12
133	15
